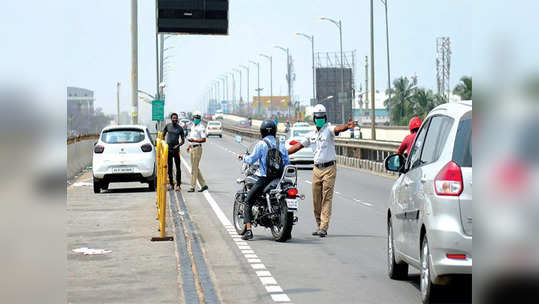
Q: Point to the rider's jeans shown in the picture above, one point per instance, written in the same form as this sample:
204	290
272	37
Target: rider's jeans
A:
257	189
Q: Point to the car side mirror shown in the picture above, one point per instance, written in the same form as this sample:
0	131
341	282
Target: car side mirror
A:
395	163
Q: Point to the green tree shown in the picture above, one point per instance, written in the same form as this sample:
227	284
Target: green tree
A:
399	104
464	88
422	102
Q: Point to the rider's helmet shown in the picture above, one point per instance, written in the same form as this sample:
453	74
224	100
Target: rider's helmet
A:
268	127
415	124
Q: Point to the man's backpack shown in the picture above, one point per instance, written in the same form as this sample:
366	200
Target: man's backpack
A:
274	161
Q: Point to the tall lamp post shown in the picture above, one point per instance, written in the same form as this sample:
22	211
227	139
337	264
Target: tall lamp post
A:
341	100
258	89
387	52
373	105
233	90
288	76
241	96
311	38
249	110
271	81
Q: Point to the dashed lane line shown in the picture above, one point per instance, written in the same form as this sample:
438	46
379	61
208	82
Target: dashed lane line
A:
268	281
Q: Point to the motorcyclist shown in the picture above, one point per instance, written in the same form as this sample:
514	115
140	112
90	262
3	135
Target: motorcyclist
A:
268	130
407	143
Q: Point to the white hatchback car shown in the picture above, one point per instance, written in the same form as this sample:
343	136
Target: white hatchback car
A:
124	153
214	128
297	133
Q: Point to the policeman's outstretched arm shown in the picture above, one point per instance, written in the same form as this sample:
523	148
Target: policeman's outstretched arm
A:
351	124
295	148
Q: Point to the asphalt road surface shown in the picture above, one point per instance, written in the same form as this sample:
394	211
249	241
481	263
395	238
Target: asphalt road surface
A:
348	266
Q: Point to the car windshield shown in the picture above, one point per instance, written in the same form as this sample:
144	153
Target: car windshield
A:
122	136
300	133
214	123
243	122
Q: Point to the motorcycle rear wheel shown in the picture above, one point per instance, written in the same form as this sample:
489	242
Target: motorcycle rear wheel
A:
238	214
283	231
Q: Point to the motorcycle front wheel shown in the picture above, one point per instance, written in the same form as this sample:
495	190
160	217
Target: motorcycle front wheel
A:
238	214
282	230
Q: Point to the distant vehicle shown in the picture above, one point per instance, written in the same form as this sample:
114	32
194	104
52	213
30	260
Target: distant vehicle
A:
208	117
348	133
429	218
214	128
218	114
186	125
300	124
244	124
298	132
124	153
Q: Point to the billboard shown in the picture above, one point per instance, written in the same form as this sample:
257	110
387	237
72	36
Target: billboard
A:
197	17
328	92
275	103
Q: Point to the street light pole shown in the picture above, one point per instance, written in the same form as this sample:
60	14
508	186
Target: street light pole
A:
387	52
271	81
288	76
249	110
118	103
233	91
339	25
134	62
258	89
311	38
241	97
373	130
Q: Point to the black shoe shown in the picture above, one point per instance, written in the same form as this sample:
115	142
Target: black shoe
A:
248	235
317	232
191	190
322	233
203	189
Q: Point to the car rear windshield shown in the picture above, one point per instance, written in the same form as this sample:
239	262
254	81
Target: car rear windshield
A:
214	123
462	153
123	136
300	133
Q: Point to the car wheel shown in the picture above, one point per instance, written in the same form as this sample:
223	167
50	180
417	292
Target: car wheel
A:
428	290
220	135
152	183
105	186
394	270
97	186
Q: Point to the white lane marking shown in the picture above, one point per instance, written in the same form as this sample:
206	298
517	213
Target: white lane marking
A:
308	182
366	204
250	255
280	297
263	273
258	266
337	192
268	281
274	288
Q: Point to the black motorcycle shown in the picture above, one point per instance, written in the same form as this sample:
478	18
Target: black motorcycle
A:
275	208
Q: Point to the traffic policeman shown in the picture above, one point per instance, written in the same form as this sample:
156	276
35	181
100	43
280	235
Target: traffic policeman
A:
197	136
322	141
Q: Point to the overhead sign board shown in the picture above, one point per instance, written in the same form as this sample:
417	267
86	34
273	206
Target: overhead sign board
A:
198	17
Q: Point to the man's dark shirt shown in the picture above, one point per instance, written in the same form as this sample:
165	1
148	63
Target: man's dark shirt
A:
173	134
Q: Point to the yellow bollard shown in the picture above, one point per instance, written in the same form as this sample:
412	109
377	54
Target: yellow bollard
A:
161	191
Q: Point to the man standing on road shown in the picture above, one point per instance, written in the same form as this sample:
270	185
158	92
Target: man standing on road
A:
197	136
325	167
173	131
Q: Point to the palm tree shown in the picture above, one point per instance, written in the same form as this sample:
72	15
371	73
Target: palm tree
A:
399	103
422	102
464	88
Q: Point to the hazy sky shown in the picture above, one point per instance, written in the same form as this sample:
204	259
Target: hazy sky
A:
90	44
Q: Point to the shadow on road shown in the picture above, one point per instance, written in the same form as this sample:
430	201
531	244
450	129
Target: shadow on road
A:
459	291
126	190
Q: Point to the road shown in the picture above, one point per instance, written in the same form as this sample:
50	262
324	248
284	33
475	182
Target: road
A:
349	266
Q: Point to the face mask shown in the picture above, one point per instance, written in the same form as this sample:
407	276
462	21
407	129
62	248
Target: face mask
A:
197	121
320	122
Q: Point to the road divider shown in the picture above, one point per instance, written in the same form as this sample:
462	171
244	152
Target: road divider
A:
161	155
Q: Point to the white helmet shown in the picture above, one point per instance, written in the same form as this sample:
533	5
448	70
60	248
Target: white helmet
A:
197	113
319	110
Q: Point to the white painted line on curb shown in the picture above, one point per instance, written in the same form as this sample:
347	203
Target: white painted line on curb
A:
274	288
265	276
280	297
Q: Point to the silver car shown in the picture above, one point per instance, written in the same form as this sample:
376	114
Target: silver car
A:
429	218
